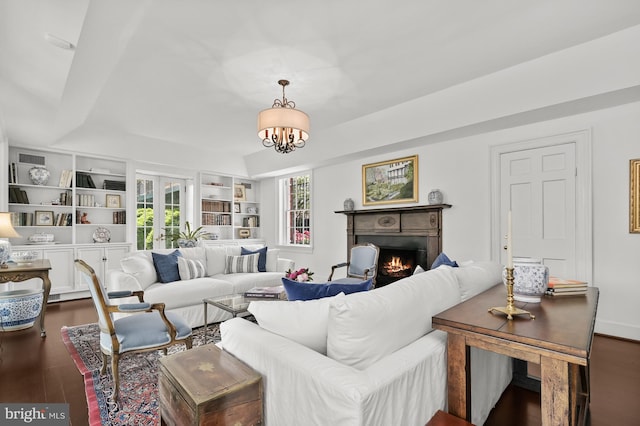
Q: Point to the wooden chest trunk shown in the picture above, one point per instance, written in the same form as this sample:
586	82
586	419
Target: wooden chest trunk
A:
208	386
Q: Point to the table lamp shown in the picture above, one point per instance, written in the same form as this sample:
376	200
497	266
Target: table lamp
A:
6	231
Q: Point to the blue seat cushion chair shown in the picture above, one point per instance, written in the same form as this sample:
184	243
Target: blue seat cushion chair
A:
145	331
308	291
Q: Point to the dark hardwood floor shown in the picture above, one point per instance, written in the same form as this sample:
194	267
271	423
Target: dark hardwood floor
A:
33	369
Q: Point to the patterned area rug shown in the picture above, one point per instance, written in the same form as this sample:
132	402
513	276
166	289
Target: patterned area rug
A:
138	402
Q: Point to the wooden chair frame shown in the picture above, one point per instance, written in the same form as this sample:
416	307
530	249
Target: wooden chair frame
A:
109	327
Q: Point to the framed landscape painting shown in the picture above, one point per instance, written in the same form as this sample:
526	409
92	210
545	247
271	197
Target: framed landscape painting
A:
392	181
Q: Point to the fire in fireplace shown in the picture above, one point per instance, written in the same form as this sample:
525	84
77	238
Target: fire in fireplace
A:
395	264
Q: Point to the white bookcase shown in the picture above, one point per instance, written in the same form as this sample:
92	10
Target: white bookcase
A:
78	186
229	207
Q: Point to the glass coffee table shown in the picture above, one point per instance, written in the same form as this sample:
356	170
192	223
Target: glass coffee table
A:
236	304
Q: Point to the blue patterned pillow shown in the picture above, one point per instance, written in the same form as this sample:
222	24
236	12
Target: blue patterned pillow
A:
262	259
442	259
309	291
167	266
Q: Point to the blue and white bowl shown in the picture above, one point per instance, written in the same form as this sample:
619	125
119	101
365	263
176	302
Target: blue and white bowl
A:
19	309
530	279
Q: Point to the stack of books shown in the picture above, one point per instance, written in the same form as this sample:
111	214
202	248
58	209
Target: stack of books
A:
562	287
277	292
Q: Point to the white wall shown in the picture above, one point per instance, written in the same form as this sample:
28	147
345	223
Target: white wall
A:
461	170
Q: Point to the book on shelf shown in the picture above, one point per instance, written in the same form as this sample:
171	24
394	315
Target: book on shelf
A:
276	292
13	177
66	177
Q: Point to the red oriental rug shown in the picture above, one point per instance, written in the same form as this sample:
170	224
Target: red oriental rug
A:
138	402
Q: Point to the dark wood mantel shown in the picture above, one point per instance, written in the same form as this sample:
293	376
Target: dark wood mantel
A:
421	225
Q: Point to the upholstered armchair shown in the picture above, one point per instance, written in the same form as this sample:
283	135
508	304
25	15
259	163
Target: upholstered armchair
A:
362	265
149	329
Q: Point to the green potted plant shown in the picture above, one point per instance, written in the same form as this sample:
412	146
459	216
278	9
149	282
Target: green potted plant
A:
188	237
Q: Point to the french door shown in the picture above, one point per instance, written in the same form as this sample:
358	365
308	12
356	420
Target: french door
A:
160	203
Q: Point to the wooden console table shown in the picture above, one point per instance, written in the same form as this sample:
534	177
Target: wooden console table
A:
559	339
36	269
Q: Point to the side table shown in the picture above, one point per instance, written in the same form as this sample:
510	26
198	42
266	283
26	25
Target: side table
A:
21	272
559	340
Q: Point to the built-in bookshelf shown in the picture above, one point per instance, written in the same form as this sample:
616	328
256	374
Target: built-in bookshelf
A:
229	207
78	199
67	206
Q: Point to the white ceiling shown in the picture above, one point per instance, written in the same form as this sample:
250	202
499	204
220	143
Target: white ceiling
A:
197	72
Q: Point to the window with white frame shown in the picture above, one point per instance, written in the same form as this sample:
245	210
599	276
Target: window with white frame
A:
295	209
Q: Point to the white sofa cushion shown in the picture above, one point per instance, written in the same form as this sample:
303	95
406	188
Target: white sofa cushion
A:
365	327
178	294
476	276
140	266
246	281
272	260
304	322
216	258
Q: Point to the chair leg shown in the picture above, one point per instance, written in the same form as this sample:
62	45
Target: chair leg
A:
188	342
105	360
115	358
164	351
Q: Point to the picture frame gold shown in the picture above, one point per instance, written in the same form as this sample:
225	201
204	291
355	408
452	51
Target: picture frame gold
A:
43	218
239	192
390	182
634	196
113	201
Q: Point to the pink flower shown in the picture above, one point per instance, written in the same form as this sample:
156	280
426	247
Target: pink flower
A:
303	277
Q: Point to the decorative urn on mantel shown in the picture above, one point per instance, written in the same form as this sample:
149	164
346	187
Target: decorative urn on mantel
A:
435	197
349	205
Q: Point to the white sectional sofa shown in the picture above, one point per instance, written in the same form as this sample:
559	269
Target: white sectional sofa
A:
185	296
369	358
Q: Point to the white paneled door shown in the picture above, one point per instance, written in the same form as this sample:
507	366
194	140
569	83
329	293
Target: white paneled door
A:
539	187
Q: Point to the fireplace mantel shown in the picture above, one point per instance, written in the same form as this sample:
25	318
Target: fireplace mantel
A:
414	227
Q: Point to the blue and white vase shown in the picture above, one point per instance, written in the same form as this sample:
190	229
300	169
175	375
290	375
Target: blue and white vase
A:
530	279
39	175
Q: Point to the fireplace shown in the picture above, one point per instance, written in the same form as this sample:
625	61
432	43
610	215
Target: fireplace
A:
395	264
411	235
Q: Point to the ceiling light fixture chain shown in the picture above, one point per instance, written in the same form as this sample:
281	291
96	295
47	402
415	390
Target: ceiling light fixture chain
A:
282	126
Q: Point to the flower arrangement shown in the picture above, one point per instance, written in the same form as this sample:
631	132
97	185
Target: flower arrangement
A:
301	275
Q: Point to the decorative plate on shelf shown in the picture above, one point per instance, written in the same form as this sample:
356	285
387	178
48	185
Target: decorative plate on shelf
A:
101	235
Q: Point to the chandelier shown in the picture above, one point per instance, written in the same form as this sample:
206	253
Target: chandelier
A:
282	126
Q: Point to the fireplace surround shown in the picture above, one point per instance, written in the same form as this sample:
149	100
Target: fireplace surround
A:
413	234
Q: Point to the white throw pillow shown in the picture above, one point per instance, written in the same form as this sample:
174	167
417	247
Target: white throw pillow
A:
239	264
272	260
190	269
216	260
304	322
365	327
141	268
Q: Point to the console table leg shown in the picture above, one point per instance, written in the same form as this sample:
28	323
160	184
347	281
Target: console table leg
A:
458	373
46	284
555	392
